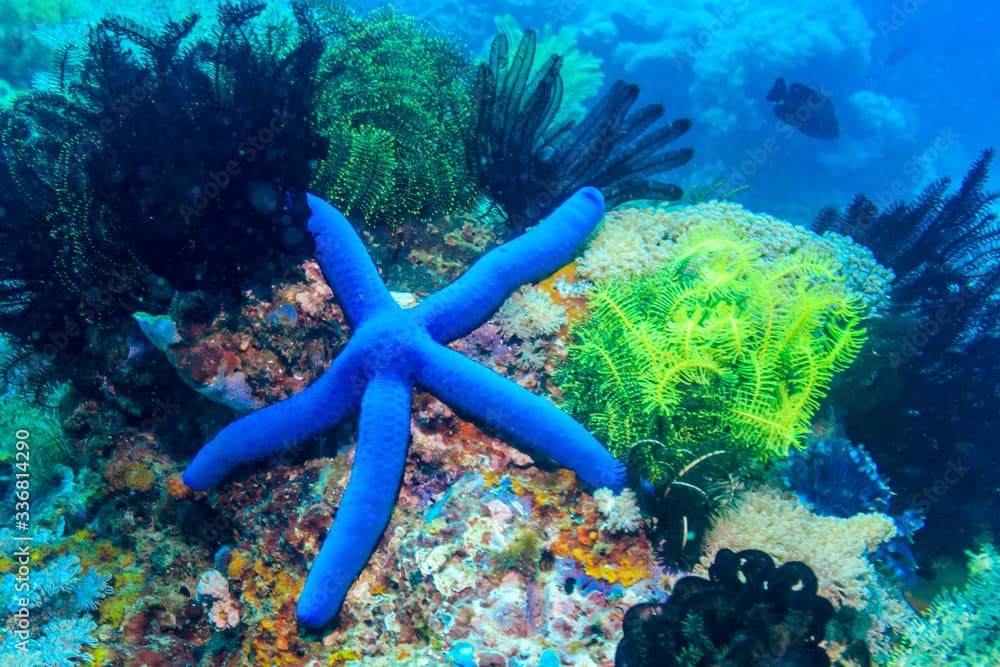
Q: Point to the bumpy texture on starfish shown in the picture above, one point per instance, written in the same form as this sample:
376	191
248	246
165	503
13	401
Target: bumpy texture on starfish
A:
390	351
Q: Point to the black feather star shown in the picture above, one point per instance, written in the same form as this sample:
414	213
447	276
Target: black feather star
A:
943	249
527	164
931	396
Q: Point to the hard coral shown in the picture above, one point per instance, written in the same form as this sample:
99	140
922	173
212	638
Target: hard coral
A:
136	465
213	590
837	550
632	241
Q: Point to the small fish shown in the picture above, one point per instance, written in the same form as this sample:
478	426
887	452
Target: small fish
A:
804	108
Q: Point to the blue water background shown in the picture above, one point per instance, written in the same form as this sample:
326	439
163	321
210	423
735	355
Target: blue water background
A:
916	85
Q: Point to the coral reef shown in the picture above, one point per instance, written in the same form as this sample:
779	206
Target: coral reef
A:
840	551
20	49
961	626
482	547
836	478
621	512
213	591
268	351
835	549
530	313
390	351
48	609
632	241
227	146
46	447
704	44
580	71
172	287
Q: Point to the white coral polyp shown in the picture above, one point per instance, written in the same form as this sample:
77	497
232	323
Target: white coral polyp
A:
621	512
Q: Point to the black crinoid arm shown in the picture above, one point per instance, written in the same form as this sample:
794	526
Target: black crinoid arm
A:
945	251
527	162
927	392
155	156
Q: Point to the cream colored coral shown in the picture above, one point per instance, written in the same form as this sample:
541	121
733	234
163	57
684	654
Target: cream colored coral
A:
781	525
639	240
629	242
620	512
530	313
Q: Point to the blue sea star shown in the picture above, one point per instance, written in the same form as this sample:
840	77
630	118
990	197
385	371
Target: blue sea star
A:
390	351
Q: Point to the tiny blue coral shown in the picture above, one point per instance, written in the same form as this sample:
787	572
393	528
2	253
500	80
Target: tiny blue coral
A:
62	642
59	577
837	478
391	351
59	600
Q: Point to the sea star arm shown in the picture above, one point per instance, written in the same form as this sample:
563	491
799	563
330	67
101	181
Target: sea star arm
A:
279	426
517	413
345	262
368	500
469	301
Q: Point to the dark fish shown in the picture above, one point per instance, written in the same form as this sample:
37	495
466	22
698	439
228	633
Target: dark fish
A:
804	108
